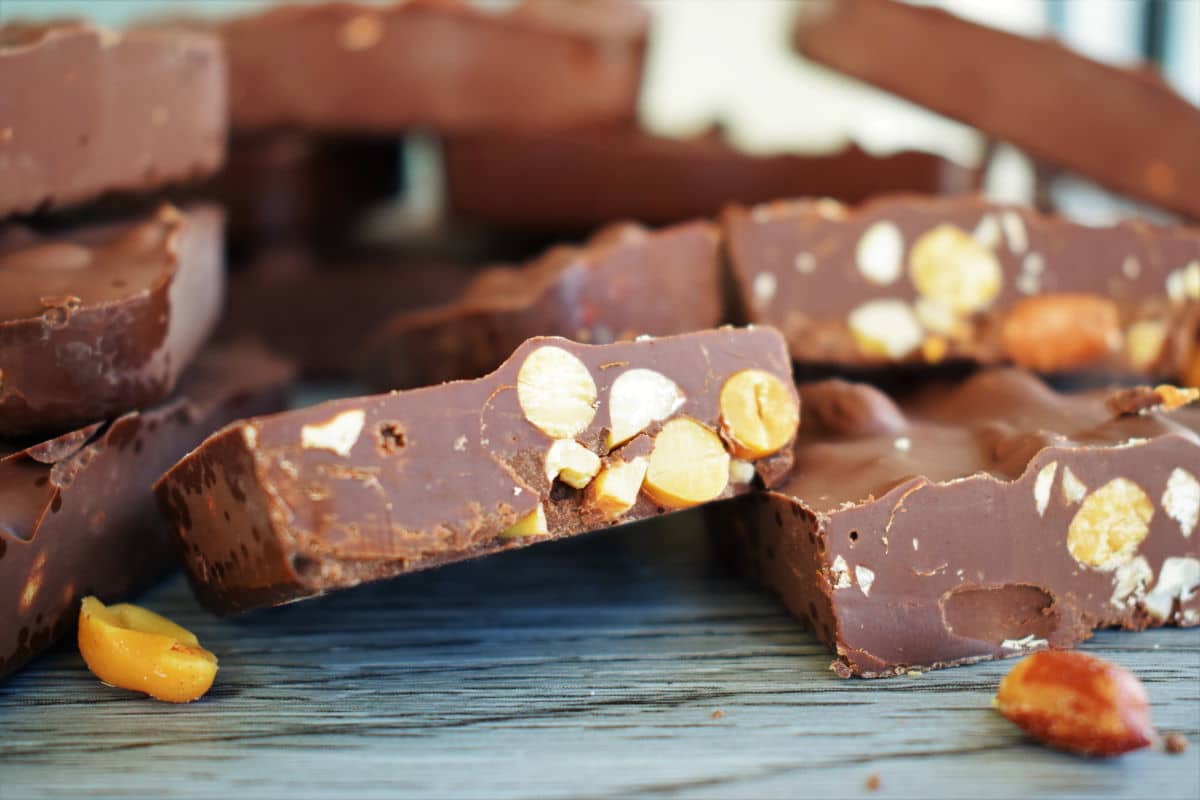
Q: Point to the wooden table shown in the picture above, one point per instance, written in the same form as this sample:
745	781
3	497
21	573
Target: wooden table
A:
593	667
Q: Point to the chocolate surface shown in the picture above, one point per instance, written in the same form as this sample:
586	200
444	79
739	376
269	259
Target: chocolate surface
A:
289	185
624	282
582	179
976	523
87	111
289	506
1136	135
77	514
922	280
279	295
102	320
438	63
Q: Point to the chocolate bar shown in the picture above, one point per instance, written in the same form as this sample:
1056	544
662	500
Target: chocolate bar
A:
276	298
978	522
587	178
88	111
563	438
77	515
1135	135
920	280
624	282
438	63
101	320
287	185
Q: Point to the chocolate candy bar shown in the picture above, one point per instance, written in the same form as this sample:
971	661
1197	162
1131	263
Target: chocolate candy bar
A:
277	297
587	178
102	320
626	281
88	110
282	185
438	63
977	523
77	514
1136	136
563	438
922	280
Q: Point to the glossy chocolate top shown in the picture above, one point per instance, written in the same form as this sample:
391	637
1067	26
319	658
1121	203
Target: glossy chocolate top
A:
856	444
99	321
1122	127
88	110
440	63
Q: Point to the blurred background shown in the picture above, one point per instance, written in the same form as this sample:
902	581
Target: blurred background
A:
728	63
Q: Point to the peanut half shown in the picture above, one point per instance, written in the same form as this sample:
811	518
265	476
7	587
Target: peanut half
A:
949	267
688	465
1079	703
759	413
639	397
132	648
556	392
1055	332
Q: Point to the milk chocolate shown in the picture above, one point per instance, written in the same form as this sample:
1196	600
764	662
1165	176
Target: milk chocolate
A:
292	186
1124	128
279	296
443	64
284	507
581	179
922	281
88	111
77	514
98	321
975	523
624	282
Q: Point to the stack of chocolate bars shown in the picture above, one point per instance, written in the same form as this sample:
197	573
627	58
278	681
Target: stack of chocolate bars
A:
921	498
105	380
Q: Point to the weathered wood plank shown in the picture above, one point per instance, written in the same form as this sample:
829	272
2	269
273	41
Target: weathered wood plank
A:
581	668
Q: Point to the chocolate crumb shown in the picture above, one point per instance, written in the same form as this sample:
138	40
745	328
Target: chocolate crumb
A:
1175	743
873	782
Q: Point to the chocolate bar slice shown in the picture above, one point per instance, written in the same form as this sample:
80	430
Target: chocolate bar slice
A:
624	282
289	185
101	320
77	514
1136	136
88	110
978	522
563	438
277	297
923	280
444	64
582	179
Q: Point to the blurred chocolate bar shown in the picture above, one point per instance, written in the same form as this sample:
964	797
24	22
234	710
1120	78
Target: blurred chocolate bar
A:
926	280
581	179
623	282
442	64
87	111
1124	128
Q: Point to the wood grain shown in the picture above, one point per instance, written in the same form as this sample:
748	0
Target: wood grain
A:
583	668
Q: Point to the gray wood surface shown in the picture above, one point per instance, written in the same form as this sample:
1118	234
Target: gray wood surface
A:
590	667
